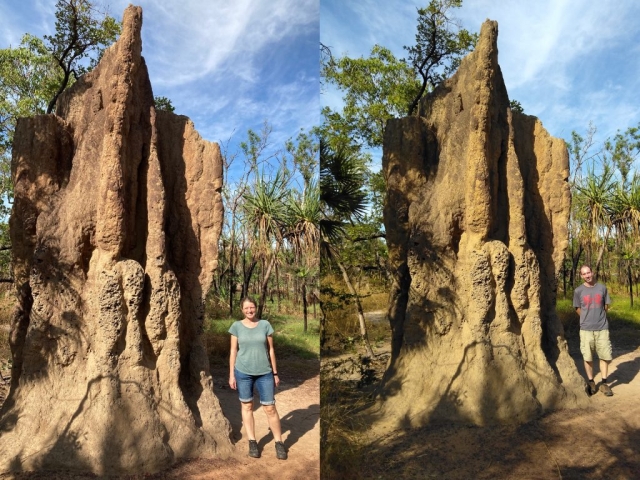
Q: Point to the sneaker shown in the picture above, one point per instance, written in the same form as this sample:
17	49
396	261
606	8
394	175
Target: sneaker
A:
591	386
606	389
281	452
253	449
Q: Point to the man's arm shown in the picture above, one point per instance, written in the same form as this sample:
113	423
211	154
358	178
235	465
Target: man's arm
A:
578	310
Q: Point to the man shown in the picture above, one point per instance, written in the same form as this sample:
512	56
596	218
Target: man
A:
591	301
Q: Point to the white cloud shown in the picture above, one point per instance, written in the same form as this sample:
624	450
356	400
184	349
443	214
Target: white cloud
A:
188	40
567	61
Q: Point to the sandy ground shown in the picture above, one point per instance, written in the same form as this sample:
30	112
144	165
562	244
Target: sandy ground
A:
599	442
298	402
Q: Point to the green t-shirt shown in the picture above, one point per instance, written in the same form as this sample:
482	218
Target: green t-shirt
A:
253	349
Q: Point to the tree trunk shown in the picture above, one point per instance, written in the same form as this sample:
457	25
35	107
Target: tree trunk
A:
574	264
265	282
361	320
304	305
323	324
629	276
564	277
247	278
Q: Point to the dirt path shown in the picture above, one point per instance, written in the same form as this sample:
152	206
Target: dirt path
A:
298	402
599	442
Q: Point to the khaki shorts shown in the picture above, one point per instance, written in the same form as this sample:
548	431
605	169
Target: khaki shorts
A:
597	341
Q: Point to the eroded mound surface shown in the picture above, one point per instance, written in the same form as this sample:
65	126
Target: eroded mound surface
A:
115	225
476	221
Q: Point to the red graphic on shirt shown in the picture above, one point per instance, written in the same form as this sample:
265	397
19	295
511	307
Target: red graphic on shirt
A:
592	301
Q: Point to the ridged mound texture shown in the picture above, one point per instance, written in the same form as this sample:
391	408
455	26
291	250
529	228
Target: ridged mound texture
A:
114	228
476	222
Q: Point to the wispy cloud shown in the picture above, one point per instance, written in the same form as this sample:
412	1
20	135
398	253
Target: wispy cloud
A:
192	39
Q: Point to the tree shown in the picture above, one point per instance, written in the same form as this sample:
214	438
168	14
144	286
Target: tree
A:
623	150
375	89
382	86
79	32
343	200
440	45
304	235
164	104
516	106
265	216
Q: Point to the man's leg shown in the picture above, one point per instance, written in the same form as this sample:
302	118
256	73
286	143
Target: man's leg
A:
604	369
604	351
588	367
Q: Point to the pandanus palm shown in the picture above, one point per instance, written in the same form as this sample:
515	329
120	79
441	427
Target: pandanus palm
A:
594	199
265	213
343	200
303	232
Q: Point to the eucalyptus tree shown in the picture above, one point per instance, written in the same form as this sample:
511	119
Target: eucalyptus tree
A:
81	30
383	86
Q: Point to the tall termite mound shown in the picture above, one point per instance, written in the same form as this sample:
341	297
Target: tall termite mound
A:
476	220
114	228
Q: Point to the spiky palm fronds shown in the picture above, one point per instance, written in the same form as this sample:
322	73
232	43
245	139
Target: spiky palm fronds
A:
342	197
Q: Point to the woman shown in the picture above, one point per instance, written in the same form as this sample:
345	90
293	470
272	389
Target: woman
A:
253	362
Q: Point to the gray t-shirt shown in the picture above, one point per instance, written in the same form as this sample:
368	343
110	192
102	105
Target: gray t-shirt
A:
253	356
591	302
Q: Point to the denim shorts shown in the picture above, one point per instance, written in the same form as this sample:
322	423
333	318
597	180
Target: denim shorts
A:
264	383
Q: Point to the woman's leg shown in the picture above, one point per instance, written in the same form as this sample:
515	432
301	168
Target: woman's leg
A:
247	419
245	392
274	421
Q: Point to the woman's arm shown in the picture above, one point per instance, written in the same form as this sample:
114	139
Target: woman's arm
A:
232	361
272	356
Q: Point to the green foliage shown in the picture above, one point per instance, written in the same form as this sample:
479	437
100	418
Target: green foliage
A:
440	46
375	89
342	194
304	154
516	106
303	210
164	104
82	34
623	150
28	79
265	208
382	86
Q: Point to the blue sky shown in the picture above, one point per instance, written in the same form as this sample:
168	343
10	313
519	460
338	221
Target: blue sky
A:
568	62
229	66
